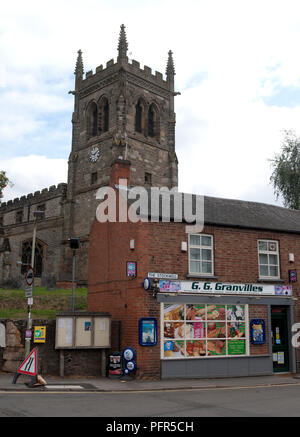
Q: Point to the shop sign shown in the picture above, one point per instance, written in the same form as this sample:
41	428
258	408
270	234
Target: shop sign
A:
196	287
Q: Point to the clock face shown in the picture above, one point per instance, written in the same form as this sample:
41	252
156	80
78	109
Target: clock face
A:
95	153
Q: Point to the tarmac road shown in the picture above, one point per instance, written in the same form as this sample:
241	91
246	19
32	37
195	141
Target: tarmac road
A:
281	400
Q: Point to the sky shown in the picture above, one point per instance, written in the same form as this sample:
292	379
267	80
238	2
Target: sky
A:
237	70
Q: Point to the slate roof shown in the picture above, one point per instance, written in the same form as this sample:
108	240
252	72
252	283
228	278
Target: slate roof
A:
239	213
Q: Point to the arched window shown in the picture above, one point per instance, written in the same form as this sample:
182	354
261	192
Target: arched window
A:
153	121
103	115
38	260
139	112
93	120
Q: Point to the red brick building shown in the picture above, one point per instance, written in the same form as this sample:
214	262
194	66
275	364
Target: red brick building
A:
223	299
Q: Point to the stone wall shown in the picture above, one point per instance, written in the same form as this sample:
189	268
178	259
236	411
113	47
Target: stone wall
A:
80	362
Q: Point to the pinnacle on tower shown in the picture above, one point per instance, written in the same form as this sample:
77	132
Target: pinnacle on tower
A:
79	65
123	45
170	70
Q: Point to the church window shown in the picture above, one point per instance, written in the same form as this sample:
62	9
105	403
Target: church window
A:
104	115
94	178
148	178
93	120
153	122
138	117
19	216
38	259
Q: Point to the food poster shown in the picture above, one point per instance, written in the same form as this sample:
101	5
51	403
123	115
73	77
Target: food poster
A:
195	330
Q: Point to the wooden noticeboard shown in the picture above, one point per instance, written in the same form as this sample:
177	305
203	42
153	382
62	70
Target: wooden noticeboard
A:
83	330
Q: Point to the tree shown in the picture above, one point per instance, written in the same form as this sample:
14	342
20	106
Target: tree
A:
286	171
3	182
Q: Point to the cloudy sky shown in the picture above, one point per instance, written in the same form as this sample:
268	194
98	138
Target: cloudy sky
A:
237	69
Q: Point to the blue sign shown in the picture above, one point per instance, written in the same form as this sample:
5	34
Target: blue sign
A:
147	331
257	331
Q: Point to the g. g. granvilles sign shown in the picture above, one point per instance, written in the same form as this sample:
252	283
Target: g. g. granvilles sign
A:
196	287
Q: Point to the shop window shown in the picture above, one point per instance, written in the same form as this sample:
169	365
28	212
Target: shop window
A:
204	330
201	254
268	259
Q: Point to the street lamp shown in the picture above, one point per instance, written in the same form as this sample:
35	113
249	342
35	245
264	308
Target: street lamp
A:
37	215
74	244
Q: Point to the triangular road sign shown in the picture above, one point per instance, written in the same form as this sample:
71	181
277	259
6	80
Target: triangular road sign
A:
29	365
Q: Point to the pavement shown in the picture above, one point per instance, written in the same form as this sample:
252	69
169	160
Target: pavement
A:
103	384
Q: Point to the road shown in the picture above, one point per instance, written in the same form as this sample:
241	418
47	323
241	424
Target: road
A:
272	401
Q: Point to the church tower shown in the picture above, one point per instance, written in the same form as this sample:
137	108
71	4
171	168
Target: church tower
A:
121	111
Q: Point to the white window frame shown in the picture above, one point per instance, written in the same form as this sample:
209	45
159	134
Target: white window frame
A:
268	252
209	357
203	274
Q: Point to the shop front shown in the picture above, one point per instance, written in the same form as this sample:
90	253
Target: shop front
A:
213	329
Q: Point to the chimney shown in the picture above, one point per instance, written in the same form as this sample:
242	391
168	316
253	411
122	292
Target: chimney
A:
120	169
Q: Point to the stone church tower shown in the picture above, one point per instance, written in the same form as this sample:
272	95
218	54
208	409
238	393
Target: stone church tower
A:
120	112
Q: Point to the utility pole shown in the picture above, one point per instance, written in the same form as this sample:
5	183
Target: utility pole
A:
37	215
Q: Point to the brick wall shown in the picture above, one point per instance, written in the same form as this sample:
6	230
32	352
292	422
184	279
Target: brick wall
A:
158	248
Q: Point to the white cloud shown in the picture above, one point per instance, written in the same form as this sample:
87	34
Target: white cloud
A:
32	173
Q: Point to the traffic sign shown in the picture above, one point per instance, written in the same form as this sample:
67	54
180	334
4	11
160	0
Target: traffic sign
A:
28	291
29	365
29	276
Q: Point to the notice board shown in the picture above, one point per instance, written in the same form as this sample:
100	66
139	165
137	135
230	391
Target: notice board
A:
83	330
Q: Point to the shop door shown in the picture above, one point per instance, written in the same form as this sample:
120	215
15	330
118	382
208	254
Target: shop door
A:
280	342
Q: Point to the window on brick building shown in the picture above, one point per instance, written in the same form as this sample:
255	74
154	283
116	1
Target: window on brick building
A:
201	254
268	259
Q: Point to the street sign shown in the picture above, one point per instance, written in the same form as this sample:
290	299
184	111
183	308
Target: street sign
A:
28	291
29	365
29	276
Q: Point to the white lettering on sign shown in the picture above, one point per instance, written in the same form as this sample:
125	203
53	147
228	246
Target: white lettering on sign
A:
162	275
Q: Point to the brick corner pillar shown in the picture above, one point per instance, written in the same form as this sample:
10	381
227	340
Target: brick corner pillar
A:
120	169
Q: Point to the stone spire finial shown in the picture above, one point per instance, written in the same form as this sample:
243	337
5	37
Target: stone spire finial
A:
123	45
79	65
170	70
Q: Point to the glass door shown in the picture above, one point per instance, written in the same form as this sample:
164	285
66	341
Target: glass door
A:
280	343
